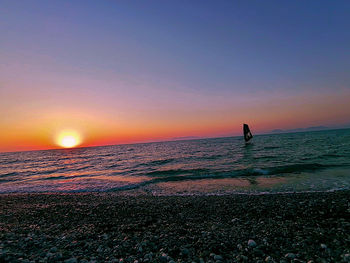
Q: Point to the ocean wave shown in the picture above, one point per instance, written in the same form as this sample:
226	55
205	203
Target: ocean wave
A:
63	177
175	172
277	170
8	174
2	162
113	165
160	162
297	168
212	157
54	178
271	147
335	155
83	167
265	157
57	170
156	162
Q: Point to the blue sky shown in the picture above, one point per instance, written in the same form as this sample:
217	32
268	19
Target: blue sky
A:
201	44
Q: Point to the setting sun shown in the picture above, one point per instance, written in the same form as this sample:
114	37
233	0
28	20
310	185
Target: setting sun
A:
68	139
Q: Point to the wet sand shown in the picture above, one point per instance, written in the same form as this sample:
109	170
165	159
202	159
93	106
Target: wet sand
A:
304	227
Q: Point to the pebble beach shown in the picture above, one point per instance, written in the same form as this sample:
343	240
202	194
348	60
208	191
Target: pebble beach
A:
110	227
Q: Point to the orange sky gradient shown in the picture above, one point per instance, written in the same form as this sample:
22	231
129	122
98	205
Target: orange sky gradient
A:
31	127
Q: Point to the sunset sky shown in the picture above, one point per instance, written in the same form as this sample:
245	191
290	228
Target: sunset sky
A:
137	71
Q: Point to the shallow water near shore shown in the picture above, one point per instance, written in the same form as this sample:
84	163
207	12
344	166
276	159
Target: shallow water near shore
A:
308	161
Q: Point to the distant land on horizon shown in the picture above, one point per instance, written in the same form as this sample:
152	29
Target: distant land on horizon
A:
312	128
187	138
275	131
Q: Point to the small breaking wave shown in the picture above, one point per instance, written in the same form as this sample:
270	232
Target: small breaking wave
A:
176	172
278	170
158	162
8	174
297	168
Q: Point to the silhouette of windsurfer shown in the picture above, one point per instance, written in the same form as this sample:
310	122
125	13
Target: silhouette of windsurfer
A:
246	132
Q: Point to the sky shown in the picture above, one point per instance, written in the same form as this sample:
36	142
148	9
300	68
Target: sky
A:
138	71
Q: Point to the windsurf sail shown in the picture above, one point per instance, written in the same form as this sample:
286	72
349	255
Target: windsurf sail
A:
246	131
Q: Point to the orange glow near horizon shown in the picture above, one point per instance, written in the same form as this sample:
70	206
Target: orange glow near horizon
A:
68	139
38	128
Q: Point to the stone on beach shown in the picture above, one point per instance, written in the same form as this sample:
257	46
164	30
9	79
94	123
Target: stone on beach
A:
251	243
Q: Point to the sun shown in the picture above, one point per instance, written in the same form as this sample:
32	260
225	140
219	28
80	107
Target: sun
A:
68	139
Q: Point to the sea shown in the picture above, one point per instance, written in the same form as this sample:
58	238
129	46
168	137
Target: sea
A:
275	163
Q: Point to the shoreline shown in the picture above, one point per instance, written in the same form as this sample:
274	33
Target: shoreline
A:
114	227
133	193
264	184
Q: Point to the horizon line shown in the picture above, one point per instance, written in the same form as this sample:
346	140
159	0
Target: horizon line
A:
289	131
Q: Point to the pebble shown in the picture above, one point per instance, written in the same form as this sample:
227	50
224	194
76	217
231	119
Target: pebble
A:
100	249
251	243
218	257
258	252
323	246
290	255
71	260
242	258
148	256
346	257
268	259
53	249
163	258
185	251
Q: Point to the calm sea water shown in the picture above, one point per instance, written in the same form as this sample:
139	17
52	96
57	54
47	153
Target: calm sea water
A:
310	161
